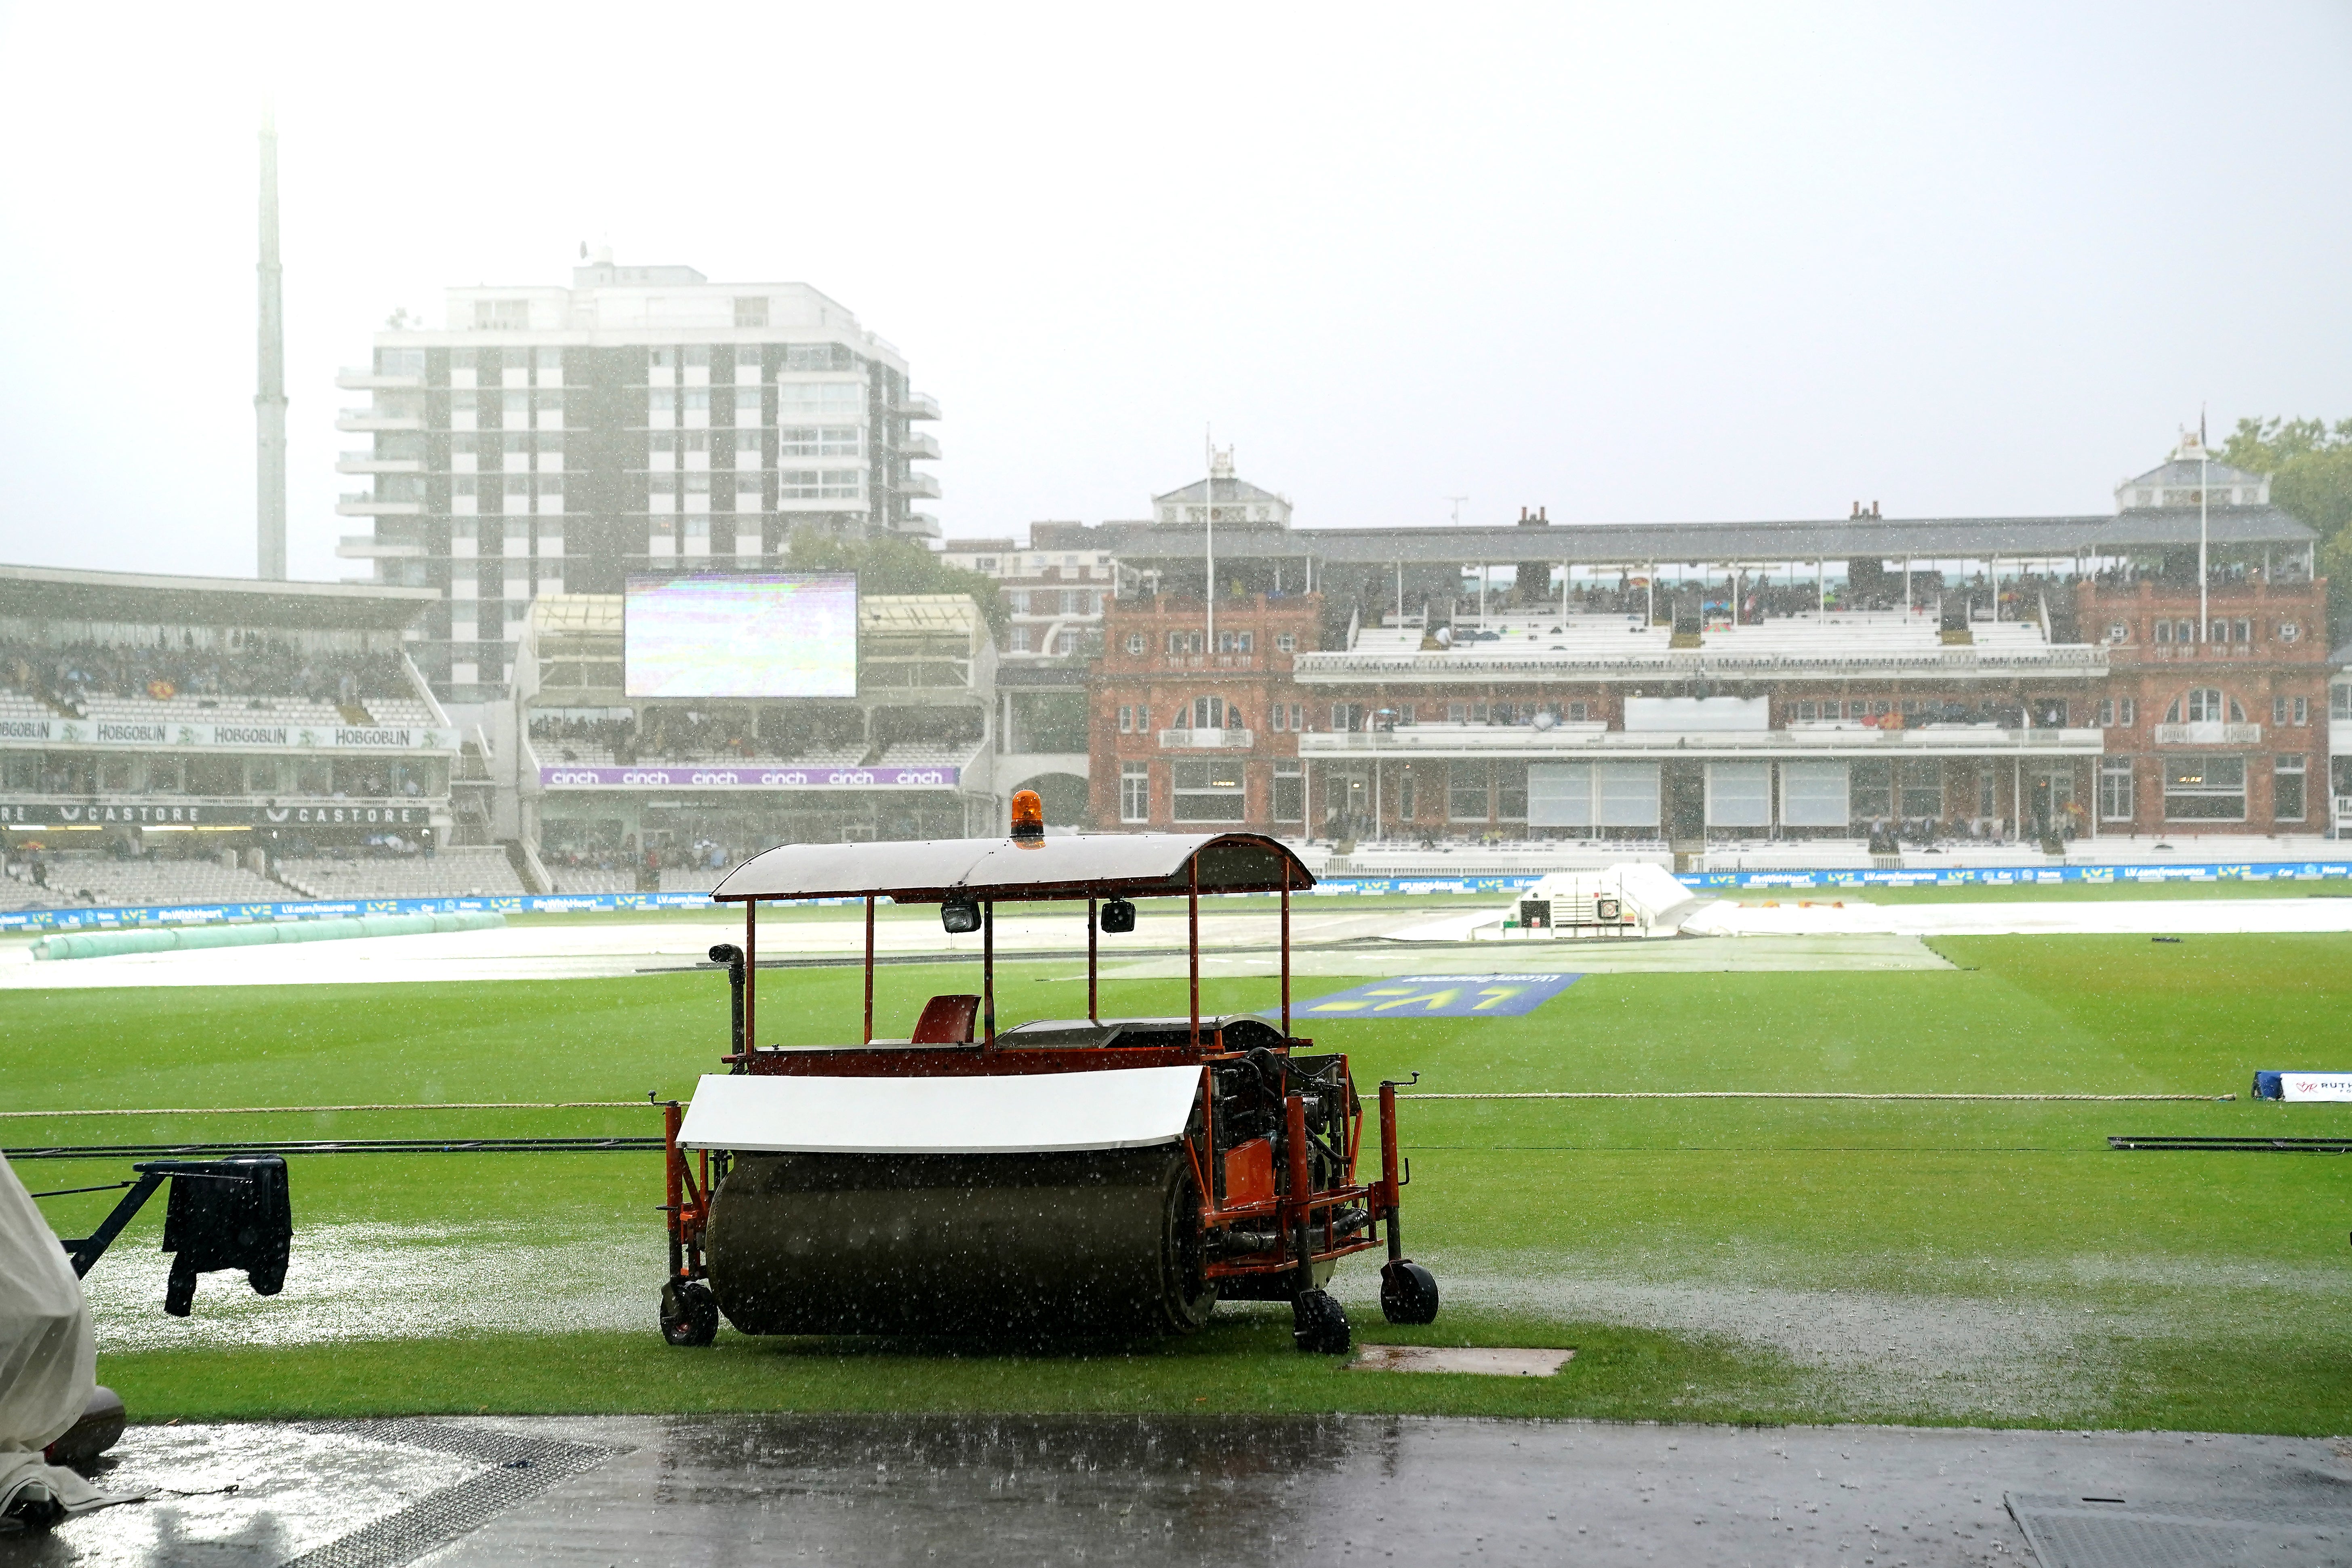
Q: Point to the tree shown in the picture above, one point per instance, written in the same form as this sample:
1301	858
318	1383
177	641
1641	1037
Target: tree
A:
2310	466
889	565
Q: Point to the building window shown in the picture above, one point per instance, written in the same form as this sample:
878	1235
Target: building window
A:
814	356
821	484
1286	642
1135	645
2205	789
2206	705
751	312
1923	789
1465	792
1350	716
2106	712
1289	792
2339	703
1209	789
1278	717
1511	791
1135	792
1404	799
819	397
506	315
1212	713
2288	631
2287	793
1872	783
820	441
2290	709
1181	643
2115	789
1126	719
2118	631
1233	642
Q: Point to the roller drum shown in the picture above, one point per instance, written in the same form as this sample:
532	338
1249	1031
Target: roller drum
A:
1101	1241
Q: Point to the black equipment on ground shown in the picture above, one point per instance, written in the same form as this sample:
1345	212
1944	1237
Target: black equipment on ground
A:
222	1214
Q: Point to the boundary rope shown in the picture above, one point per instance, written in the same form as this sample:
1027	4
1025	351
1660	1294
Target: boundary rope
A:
1497	1094
1792	1094
319	1110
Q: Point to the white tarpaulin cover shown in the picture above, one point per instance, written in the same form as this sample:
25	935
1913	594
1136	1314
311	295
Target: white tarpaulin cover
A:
1026	1113
48	1358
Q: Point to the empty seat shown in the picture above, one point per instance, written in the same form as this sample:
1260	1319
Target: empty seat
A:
946	1021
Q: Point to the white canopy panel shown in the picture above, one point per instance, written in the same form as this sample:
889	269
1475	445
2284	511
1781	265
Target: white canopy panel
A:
1024	1113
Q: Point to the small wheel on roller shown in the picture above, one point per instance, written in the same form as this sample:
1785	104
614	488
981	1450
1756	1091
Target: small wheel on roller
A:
1318	1325
1408	1292
689	1313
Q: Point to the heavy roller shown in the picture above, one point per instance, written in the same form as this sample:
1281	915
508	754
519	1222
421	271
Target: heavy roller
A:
1057	1178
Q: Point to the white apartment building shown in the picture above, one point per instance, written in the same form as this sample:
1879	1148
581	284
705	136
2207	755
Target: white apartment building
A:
645	420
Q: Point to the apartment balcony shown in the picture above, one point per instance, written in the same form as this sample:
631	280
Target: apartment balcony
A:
359	378
369	463
363	504
919	525
919	406
1205	740
357	420
922	485
2208	734
919	444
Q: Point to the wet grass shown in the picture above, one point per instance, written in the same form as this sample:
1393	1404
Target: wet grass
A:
1244	1363
2210	1290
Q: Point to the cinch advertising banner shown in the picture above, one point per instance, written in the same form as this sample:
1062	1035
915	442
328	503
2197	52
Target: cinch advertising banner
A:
1440	996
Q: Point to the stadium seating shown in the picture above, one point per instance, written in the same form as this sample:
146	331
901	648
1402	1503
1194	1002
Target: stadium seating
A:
481	870
95	881
587	879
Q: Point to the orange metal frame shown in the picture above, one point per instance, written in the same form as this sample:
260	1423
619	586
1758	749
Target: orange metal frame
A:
1304	1215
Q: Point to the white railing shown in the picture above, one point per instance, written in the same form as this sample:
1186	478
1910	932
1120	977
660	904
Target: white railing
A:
2208	734
1522	740
1694	663
1205	740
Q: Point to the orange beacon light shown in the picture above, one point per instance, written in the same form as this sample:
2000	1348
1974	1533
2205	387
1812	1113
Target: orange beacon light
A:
1028	815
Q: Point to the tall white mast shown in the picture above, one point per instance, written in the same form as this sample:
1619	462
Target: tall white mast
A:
269	395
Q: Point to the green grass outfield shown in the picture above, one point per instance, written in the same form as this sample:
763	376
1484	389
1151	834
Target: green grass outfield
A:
1712	1259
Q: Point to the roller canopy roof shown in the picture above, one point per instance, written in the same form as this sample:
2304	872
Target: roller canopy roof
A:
1128	865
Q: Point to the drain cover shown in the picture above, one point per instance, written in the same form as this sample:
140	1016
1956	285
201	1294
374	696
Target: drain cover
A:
519	1468
2151	1532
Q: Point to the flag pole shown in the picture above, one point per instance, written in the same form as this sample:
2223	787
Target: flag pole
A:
2204	479
1209	547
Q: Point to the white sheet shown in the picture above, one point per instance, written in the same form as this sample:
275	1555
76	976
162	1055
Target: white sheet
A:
48	1359
1114	1108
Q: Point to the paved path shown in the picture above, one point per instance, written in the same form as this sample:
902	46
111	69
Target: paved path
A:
1166	1491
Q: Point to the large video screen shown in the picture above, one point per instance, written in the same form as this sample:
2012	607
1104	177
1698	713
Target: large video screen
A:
765	633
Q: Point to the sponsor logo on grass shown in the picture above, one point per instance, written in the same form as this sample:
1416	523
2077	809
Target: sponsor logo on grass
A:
1441	996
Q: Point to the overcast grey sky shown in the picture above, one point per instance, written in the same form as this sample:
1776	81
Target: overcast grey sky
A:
1625	262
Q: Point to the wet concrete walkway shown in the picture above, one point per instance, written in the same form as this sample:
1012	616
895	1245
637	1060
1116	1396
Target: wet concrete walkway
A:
994	1489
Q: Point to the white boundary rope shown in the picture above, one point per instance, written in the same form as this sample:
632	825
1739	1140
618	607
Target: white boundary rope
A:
1790	1094
1533	1094
319	1110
